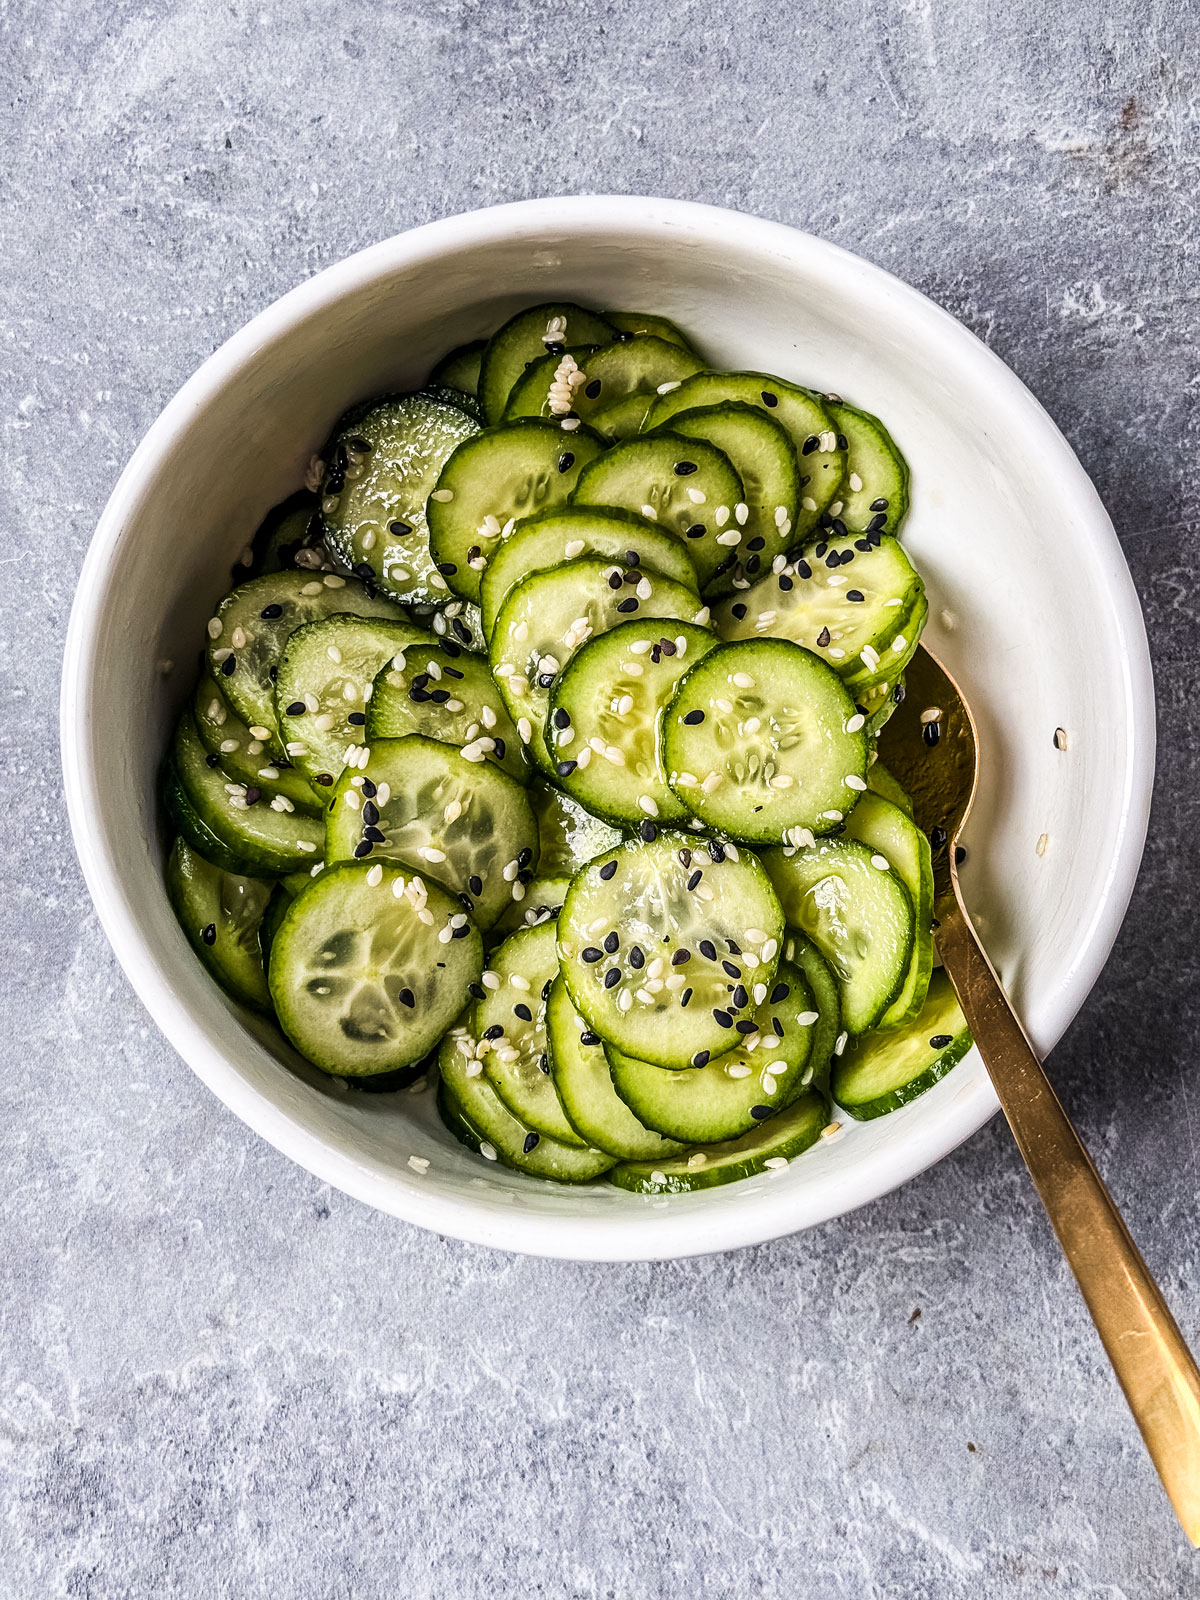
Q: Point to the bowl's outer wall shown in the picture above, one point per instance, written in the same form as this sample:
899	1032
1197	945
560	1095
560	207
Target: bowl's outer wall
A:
1032	607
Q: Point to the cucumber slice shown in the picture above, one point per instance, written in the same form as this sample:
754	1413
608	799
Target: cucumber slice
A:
643	322
541	902
568	836
624	420
611	698
246	757
874	492
510	1025
761	452
820	459
466	403
878	703
530	335
255	621
684	485
856	912
381	467
681	924
370	966
221	913
286	530
282	896
325	679
803	953
770	1147
599	379
762	742
885	829
547	388
848	602
569	532
459	369
191	827
883	1071
547	617
881	782
476	1116
585	1088
447	694
495	479
259	828
464	824
725	1097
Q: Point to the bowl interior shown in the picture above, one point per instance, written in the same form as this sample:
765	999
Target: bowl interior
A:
1031	607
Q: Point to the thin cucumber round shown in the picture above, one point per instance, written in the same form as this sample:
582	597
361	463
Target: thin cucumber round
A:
686	486
381	467
191	827
476	1116
883	1071
221	913
761	452
255	621
463	824
770	1147
510	1025
656	938
261	829
370	966
820	459
597	379
623	420
762	742
246	756
282	896
540	901
606	711
895	837
551	614
724	1097
643	322
566	534
445	693
568	836
459	368
585	1088
325	680
827	1002
879	702
850	605
529	336
449	396
491	482
854	908
874	492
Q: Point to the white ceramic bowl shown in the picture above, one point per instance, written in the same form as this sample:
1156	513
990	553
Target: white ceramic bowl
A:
1032	608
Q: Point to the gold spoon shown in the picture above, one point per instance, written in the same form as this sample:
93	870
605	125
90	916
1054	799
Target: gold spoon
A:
1152	1363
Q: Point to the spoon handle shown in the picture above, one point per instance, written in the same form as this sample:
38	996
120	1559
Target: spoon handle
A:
1143	1342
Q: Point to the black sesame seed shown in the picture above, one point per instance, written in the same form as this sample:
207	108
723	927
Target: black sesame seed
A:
940	1041
452	672
780	992
477	991
854	594
616	581
759	1113
229	666
695	718
592	390
271	612
253	795
357	719
753	564
363	570
898	693
739	998
648	831
532	1140
407	998
785	583
209	934
546	679
608	870
370	812
632	558
809	445
803	570
681	958
494	1032
700	1059
473	554
636	958
524	857
833	559
612	942
553	348
212	761
399	529
562	719
363	848
716	852
960	855
566	461
656	654
823	638
627	605
769	399
723	1019
842	442
421	681
591	954
611	978
777	1027
685	997
938	837
525	875
709	949
695	878
931	733
297	708
273	673
877	524
696	531
668	647
683	468
375	835
565	768
522	1010
839	527
731	969
589	1038
418	696
746	1026
369	790
447	568
498	749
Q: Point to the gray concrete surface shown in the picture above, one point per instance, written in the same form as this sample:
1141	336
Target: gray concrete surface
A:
218	1378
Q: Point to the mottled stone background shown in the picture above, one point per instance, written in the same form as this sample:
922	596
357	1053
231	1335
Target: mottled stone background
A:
219	1378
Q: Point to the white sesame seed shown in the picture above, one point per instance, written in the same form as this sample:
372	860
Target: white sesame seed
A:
808	503
713	781
770	950
729	538
721	516
295	748
650	512
644	589
881	862
836	508
307	846
488	1152
686	780
332	581
442	495
743	680
624	1000
648	805
525	729
1043	843
853	781
782	780
840	1044
665	388
614	754
856	722
632	669
573	548
624	705
584	758
702	616
742	512
899	643
830	1129
375	875
723	705
490	980
1060	738
431	853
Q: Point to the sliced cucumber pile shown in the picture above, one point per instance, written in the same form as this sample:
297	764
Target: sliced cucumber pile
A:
474	775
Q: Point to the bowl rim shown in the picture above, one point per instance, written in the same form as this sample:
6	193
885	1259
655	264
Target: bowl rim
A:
647	1234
